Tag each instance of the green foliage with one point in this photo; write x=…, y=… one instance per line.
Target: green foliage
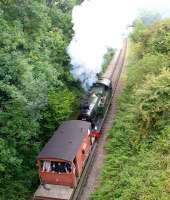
x=154, y=102
x=61, y=102
x=138, y=155
x=147, y=65
x=159, y=37
x=107, y=58
x=37, y=90
x=154, y=39
x=62, y=105
x=139, y=31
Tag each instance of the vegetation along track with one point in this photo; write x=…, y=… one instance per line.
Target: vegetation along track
x=114, y=72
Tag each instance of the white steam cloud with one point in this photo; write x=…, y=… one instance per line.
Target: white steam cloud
x=98, y=25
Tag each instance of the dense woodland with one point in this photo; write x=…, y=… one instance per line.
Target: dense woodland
x=37, y=91
x=137, y=164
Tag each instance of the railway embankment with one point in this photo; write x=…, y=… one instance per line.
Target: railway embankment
x=137, y=160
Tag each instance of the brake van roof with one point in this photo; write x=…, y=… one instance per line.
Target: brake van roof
x=66, y=141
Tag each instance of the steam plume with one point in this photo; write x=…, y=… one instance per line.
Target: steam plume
x=98, y=25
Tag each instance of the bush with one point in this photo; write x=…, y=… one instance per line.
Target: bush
x=154, y=103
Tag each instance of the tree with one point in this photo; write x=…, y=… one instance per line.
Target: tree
x=34, y=79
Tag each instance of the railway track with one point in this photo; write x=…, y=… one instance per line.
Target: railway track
x=113, y=71
x=92, y=165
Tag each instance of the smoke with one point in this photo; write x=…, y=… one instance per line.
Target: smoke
x=99, y=25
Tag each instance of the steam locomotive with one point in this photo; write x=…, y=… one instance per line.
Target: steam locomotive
x=95, y=104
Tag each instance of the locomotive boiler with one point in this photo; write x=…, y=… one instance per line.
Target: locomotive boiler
x=96, y=102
